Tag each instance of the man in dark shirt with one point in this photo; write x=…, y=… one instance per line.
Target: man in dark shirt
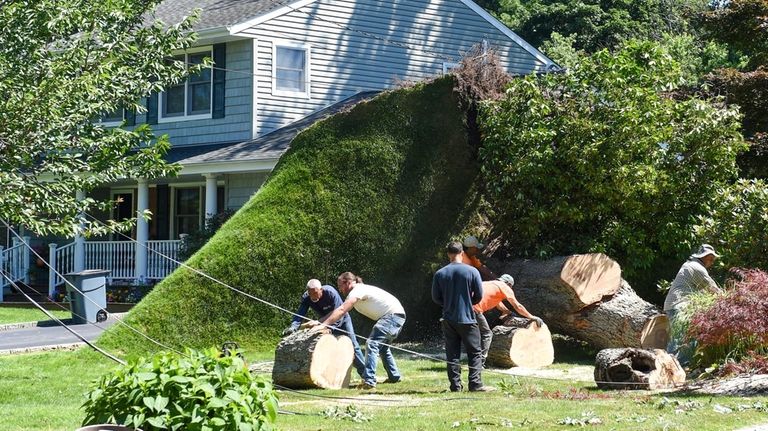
x=323, y=300
x=456, y=287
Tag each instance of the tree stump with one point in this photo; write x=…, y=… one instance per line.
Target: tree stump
x=313, y=359
x=519, y=342
x=584, y=296
x=637, y=369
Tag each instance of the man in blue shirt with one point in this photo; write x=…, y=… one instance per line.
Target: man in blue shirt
x=323, y=300
x=456, y=287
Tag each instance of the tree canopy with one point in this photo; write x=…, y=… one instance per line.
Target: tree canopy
x=64, y=64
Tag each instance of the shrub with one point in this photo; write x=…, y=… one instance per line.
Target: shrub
x=199, y=391
x=737, y=221
x=598, y=159
x=193, y=241
x=736, y=323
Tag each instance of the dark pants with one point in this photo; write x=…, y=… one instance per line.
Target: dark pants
x=467, y=334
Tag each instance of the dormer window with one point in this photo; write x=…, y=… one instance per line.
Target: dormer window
x=190, y=99
x=290, y=69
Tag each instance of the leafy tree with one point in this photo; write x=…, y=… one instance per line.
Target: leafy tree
x=595, y=24
x=743, y=25
x=63, y=65
x=599, y=159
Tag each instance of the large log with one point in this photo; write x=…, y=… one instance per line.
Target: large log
x=637, y=369
x=519, y=342
x=313, y=359
x=584, y=296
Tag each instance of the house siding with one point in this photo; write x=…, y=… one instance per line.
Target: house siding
x=240, y=188
x=411, y=41
x=236, y=124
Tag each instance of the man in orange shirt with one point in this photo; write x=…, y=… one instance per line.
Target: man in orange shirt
x=494, y=294
x=472, y=248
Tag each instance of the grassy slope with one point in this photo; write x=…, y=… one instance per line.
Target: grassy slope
x=23, y=315
x=377, y=191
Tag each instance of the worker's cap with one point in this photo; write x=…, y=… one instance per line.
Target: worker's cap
x=704, y=250
x=472, y=241
x=506, y=278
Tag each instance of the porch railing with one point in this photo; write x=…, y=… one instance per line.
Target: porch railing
x=14, y=263
x=118, y=257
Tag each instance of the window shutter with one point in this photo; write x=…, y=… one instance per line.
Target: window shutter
x=219, y=79
x=130, y=117
x=152, y=109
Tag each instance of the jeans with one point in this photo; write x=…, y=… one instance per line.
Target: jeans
x=683, y=351
x=486, y=335
x=468, y=334
x=386, y=329
x=346, y=325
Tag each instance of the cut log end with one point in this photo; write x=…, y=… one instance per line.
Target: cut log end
x=592, y=276
x=655, y=334
x=637, y=369
x=313, y=359
x=521, y=343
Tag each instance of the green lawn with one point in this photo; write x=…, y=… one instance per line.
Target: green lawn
x=44, y=392
x=19, y=315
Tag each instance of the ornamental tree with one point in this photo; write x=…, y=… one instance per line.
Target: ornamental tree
x=599, y=159
x=63, y=65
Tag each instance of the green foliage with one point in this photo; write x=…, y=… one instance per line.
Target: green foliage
x=561, y=50
x=198, y=391
x=377, y=190
x=595, y=24
x=737, y=221
x=197, y=239
x=599, y=160
x=64, y=64
x=698, y=57
x=742, y=25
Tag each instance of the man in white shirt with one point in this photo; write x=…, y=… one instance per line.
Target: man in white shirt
x=692, y=277
x=383, y=308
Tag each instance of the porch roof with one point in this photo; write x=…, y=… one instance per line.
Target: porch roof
x=268, y=147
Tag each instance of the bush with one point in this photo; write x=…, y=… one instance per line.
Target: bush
x=199, y=391
x=737, y=221
x=598, y=159
x=735, y=324
x=195, y=240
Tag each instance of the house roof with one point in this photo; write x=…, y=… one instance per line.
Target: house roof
x=215, y=13
x=268, y=147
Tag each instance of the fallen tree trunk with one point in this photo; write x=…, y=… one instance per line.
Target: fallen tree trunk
x=519, y=342
x=637, y=369
x=313, y=359
x=587, y=299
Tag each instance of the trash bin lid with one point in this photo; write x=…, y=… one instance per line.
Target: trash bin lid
x=89, y=273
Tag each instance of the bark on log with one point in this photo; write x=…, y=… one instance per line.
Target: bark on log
x=519, y=342
x=637, y=369
x=615, y=317
x=313, y=359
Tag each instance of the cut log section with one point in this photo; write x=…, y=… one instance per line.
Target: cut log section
x=313, y=359
x=637, y=369
x=584, y=296
x=519, y=342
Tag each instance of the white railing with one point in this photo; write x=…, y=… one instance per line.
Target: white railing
x=14, y=263
x=159, y=265
x=117, y=257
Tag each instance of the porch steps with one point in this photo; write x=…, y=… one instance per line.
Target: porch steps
x=39, y=293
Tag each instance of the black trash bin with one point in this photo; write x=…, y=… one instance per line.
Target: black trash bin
x=89, y=301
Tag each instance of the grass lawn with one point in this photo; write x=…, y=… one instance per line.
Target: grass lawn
x=44, y=392
x=20, y=315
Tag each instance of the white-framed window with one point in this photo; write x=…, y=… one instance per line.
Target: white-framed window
x=188, y=207
x=191, y=99
x=291, y=70
x=448, y=66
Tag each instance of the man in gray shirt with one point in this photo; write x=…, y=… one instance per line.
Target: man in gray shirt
x=692, y=277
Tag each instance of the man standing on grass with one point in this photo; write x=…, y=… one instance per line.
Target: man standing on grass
x=456, y=287
x=381, y=307
x=692, y=277
x=494, y=294
x=323, y=300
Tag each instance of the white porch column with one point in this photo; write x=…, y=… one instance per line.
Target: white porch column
x=79, y=258
x=142, y=231
x=210, y=195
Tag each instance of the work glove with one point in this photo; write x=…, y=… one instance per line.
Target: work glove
x=289, y=330
x=538, y=321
